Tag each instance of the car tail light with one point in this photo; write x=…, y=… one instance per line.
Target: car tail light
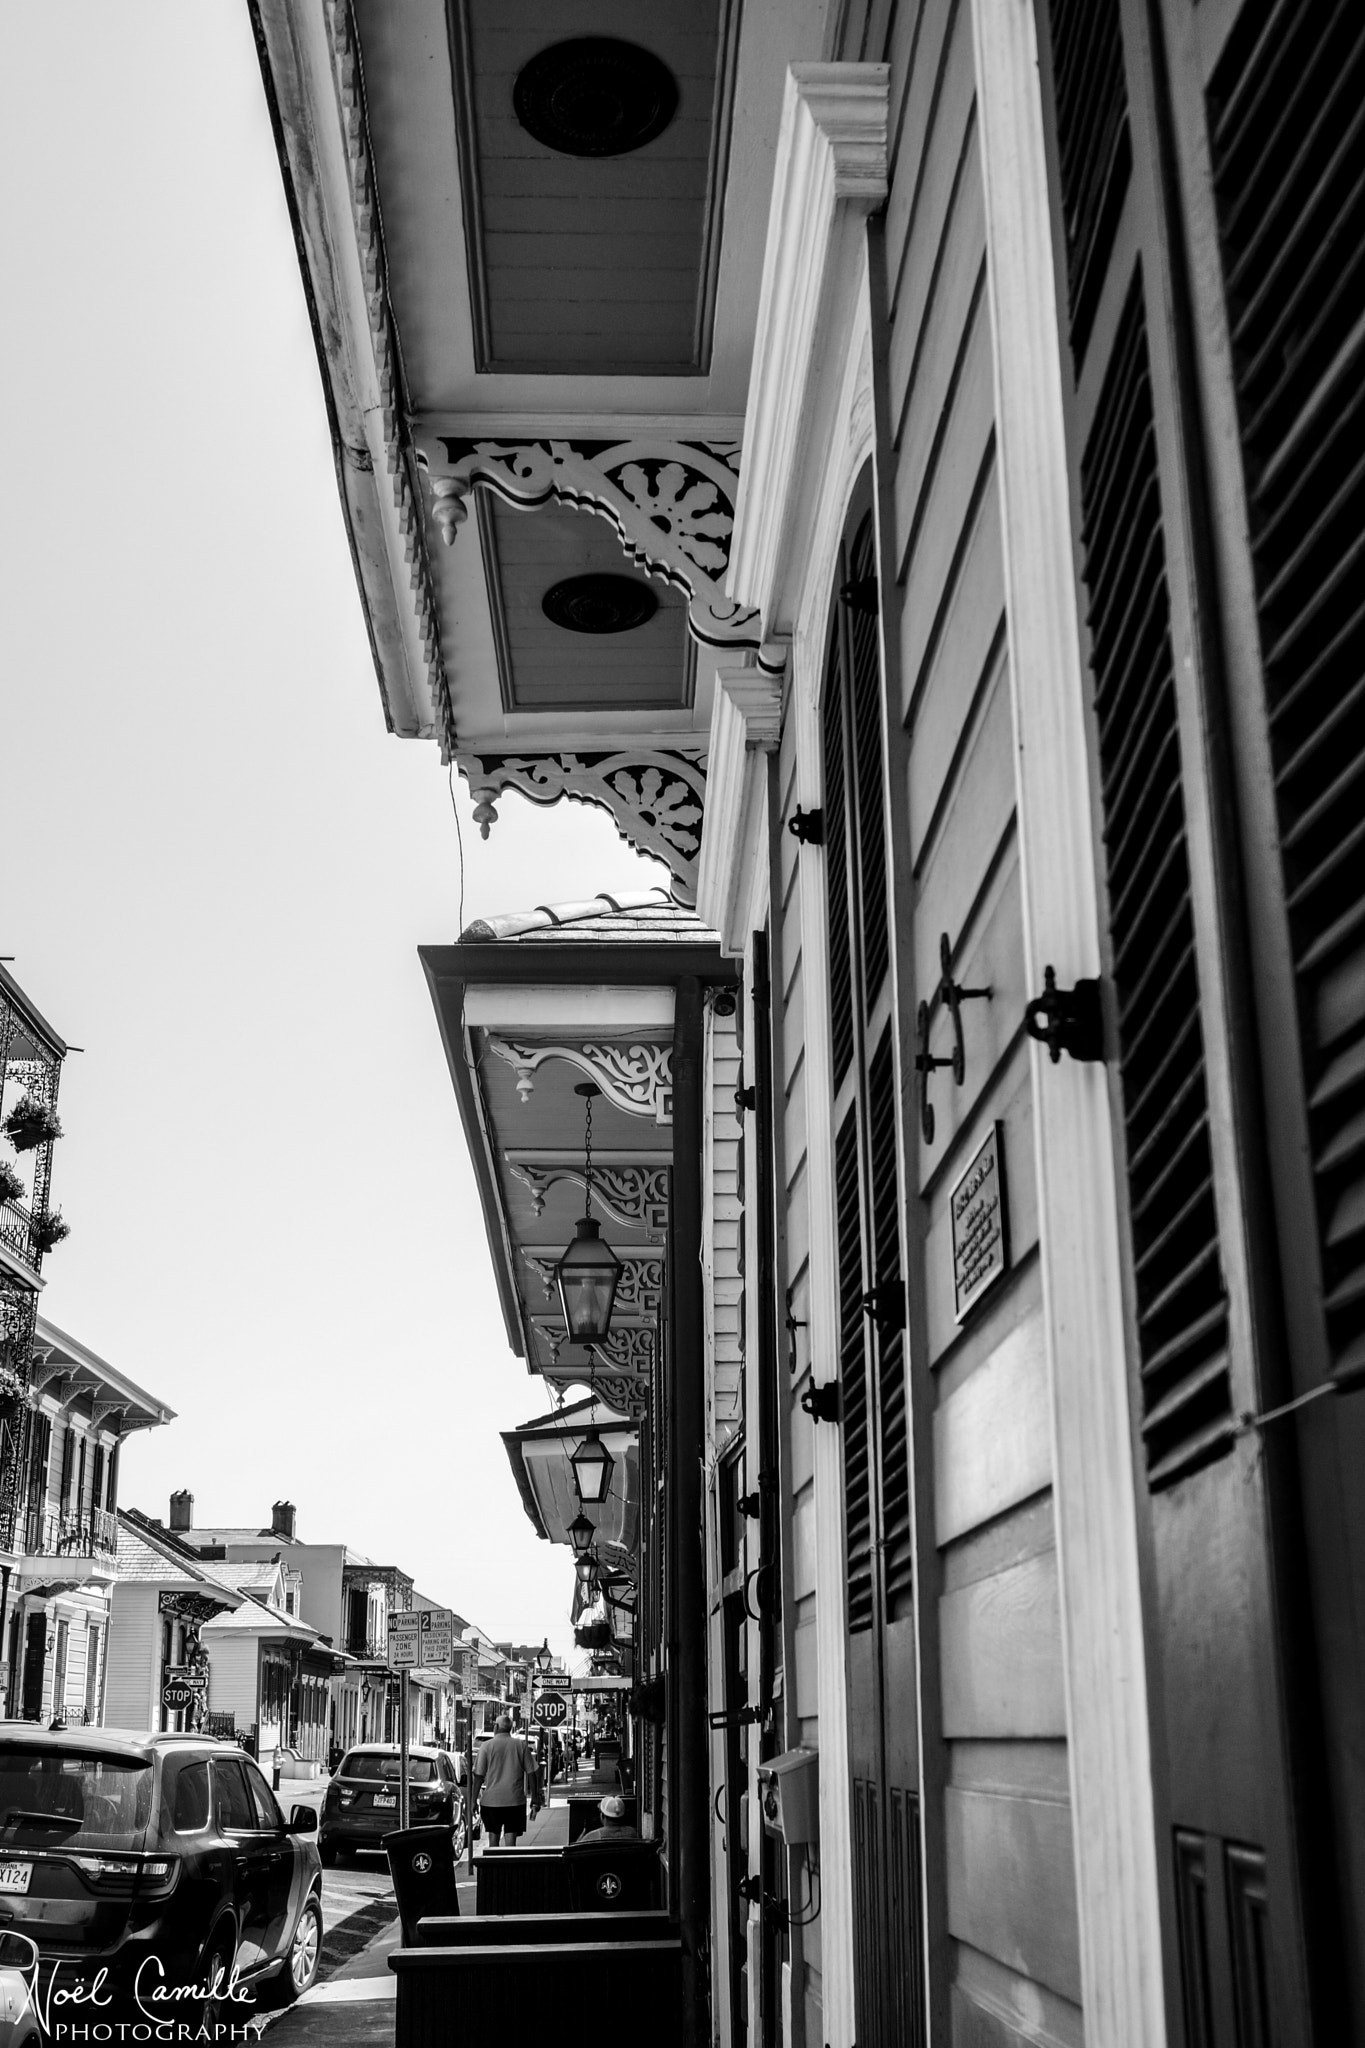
x=152, y=1876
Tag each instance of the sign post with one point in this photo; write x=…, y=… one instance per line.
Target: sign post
x=405, y=1649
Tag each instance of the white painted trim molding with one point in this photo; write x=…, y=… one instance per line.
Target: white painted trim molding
x=831, y=172
x=746, y=725
x=1114, y=1820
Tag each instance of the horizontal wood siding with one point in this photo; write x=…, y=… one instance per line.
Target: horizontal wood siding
x=133, y=1658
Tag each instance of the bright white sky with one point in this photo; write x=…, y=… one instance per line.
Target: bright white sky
x=217, y=865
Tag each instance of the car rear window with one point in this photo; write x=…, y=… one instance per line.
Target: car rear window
x=374, y=1764
x=191, y=1810
x=60, y=1797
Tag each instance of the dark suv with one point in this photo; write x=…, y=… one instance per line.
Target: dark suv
x=163, y=1860
x=361, y=1804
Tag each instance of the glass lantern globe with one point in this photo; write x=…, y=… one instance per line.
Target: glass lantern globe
x=592, y=1465
x=587, y=1274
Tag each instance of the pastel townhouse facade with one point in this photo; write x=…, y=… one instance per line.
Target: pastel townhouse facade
x=904, y=460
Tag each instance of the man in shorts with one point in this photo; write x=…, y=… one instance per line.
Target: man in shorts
x=504, y=1780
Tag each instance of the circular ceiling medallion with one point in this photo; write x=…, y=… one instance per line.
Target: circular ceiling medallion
x=595, y=96
x=599, y=604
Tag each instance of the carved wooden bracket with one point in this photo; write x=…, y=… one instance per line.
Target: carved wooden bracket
x=672, y=504
x=635, y=1078
x=655, y=796
x=625, y=1392
x=636, y=1197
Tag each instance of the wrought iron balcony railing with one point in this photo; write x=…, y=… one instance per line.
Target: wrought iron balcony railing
x=16, y=1232
x=53, y=1533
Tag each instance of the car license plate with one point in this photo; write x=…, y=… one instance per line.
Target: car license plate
x=381, y=1799
x=15, y=1877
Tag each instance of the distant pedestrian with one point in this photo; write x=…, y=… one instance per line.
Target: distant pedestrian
x=505, y=1780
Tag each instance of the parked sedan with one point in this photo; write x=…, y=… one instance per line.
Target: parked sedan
x=163, y=1861
x=361, y=1802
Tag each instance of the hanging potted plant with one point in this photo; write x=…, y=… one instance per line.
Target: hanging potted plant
x=13, y=1386
x=11, y=1186
x=31, y=1123
x=49, y=1230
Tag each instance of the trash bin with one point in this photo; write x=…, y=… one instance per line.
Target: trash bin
x=422, y=1862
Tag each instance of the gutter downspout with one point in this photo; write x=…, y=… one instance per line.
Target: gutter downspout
x=690, y=1823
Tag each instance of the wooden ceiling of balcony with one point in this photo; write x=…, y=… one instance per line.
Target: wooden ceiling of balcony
x=547, y=667
x=602, y=265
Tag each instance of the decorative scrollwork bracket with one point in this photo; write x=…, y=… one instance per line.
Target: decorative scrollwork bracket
x=672, y=504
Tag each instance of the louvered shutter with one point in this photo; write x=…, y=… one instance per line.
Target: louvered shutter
x=836, y=861
x=1181, y=1305
x=853, y=1378
x=893, y=1445
x=1095, y=149
x=1286, y=114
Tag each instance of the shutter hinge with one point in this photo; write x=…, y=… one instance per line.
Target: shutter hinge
x=747, y=1098
x=1067, y=1020
x=860, y=594
x=885, y=1303
x=807, y=826
x=821, y=1401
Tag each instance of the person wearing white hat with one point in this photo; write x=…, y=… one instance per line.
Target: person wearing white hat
x=615, y=1827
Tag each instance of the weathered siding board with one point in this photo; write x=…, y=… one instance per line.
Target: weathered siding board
x=1012, y=1884
x=952, y=166
x=1001, y=1646
x=931, y=50
x=933, y=369
x=961, y=769
x=994, y=2007
x=954, y=550
x=992, y=1440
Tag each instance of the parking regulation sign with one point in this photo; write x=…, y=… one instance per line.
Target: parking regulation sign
x=438, y=1635
x=405, y=1641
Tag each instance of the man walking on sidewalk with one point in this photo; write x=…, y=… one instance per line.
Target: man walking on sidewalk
x=505, y=1780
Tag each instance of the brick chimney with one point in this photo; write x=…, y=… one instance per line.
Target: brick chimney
x=282, y=1520
x=182, y=1510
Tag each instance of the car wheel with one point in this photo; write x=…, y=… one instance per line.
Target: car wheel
x=216, y=1973
x=328, y=1854
x=300, y=1972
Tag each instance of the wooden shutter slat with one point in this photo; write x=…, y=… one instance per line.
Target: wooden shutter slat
x=1181, y=1303
x=1095, y=151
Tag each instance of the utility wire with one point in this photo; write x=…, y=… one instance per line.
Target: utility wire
x=459, y=841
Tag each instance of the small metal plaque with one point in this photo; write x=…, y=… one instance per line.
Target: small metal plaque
x=981, y=1246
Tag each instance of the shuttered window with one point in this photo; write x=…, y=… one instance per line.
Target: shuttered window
x=1181, y=1304
x=853, y=1378
x=867, y=1188
x=1287, y=128
x=1095, y=149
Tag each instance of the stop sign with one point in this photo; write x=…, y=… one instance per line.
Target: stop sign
x=175, y=1694
x=552, y=1708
